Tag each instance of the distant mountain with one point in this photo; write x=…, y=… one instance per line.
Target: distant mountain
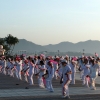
x=28, y=46
x=89, y=46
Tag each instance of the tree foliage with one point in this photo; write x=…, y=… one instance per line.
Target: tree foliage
x=9, y=43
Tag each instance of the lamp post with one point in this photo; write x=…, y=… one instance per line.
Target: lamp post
x=83, y=51
x=58, y=52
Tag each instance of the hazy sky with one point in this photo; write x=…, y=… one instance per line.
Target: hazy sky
x=50, y=21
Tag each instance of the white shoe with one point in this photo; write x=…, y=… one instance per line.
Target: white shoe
x=51, y=91
x=68, y=97
x=93, y=88
x=64, y=96
x=42, y=87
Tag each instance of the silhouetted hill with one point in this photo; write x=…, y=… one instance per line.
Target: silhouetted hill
x=28, y=46
x=89, y=46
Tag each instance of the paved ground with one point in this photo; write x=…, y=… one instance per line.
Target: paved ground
x=10, y=91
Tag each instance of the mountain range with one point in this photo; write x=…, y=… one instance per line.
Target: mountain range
x=89, y=46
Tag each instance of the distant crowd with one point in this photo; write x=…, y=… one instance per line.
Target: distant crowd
x=45, y=68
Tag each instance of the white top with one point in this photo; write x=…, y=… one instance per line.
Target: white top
x=73, y=67
x=86, y=69
x=66, y=69
x=55, y=66
x=42, y=70
x=94, y=71
x=19, y=65
x=50, y=72
x=31, y=68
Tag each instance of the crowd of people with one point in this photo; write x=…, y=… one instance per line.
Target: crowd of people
x=62, y=68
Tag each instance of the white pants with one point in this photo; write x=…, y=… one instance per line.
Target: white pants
x=81, y=74
x=25, y=77
x=40, y=81
x=31, y=78
x=73, y=78
x=4, y=70
x=85, y=81
x=18, y=72
x=93, y=83
x=55, y=75
x=11, y=73
x=49, y=84
x=65, y=90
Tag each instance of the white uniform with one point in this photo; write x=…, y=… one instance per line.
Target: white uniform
x=11, y=69
x=49, y=79
x=86, y=70
x=31, y=72
x=81, y=65
x=93, y=75
x=60, y=70
x=19, y=68
x=66, y=80
x=42, y=72
x=26, y=70
x=73, y=68
x=36, y=69
x=55, y=70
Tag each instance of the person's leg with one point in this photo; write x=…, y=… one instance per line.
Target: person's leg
x=25, y=77
x=47, y=84
x=31, y=79
x=87, y=81
x=19, y=75
x=73, y=78
x=40, y=80
x=83, y=80
x=92, y=84
x=51, y=87
x=16, y=73
x=65, y=89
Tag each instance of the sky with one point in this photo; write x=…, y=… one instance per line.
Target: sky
x=50, y=21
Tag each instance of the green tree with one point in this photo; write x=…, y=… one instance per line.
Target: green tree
x=10, y=42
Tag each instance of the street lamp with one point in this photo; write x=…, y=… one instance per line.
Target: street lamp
x=58, y=52
x=83, y=51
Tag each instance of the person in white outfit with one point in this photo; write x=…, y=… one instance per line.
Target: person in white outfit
x=25, y=70
x=81, y=65
x=8, y=66
x=93, y=73
x=86, y=70
x=41, y=74
x=73, y=68
x=18, y=64
x=55, y=64
x=66, y=79
x=31, y=71
x=50, y=70
x=12, y=67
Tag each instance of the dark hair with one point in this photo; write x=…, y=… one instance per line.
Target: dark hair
x=32, y=61
x=85, y=61
x=41, y=62
x=38, y=57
